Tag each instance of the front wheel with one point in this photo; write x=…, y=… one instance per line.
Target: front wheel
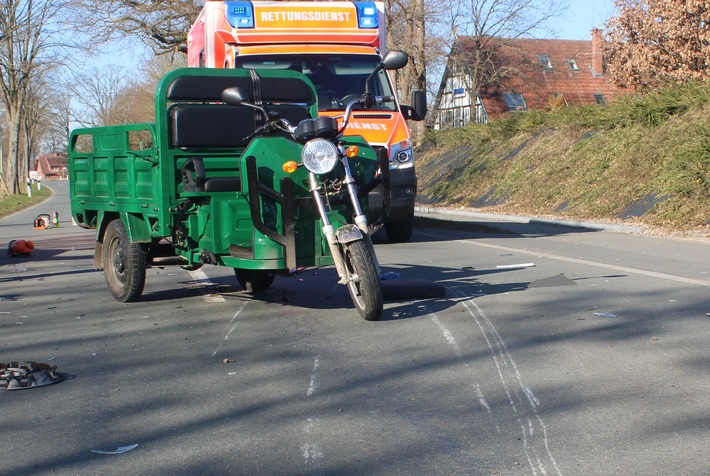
x=124, y=264
x=363, y=282
x=255, y=280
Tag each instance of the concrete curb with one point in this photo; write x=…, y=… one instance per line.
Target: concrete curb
x=531, y=220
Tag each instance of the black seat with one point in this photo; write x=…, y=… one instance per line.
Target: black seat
x=210, y=125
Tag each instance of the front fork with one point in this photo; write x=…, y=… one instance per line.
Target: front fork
x=329, y=231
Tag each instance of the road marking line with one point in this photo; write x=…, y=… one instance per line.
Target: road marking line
x=200, y=276
x=233, y=326
x=541, y=254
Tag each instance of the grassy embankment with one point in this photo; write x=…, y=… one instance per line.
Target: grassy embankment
x=13, y=203
x=643, y=159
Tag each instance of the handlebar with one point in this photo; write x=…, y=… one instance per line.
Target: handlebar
x=271, y=125
x=275, y=123
x=367, y=101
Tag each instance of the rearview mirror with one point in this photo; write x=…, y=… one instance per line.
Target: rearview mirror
x=395, y=60
x=234, y=96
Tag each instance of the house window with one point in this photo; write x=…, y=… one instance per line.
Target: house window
x=515, y=102
x=544, y=61
x=600, y=99
x=572, y=64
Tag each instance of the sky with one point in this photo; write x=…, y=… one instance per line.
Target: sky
x=582, y=16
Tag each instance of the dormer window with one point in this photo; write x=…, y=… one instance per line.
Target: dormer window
x=600, y=99
x=572, y=64
x=515, y=102
x=544, y=61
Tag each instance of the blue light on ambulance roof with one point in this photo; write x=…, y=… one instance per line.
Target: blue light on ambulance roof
x=240, y=14
x=367, y=15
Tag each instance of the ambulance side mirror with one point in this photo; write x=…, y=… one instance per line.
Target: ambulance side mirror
x=395, y=60
x=417, y=111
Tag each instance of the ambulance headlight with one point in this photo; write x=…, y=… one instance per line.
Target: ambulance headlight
x=319, y=156
x=401, y=155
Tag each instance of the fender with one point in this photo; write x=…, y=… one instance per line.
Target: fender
x=136, y=229
x=348, y=234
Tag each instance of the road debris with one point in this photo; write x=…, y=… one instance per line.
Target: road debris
x=20, y=248
x=117, y=451
x=515, y=266
x=22, y=375
x=605, y=314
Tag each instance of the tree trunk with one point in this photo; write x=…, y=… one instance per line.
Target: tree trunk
x=12, y=174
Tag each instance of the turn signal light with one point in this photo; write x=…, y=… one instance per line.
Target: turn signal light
x=352, y=151
x=290, y=167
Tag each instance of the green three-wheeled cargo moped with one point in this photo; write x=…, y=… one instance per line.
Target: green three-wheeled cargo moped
x=237, y=171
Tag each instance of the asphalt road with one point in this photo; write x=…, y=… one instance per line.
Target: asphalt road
x=555, y=350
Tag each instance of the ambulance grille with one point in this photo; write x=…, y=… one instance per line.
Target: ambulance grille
x=372, y=116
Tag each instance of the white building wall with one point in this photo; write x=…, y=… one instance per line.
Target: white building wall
x=455, y=106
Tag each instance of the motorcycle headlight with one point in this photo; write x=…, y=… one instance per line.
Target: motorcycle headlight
x=319, y=156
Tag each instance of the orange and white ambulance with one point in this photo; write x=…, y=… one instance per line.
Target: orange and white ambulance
x=337, y=45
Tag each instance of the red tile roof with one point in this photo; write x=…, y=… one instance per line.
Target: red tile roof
x=538, y=83
x=51, y=165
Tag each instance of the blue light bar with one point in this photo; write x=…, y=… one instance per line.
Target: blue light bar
x=367, y=15
x=240, y=14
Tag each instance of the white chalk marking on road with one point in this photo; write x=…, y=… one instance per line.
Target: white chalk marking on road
x=481, y=399
x=447, y=334
x=314, y=374
x=499, y=351
x=312, y=452
x=233, y=326
x=200, y=276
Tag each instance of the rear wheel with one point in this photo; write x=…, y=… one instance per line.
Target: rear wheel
x=124, y=264
x=400, y=231
x=255, y=280
x=363, y=282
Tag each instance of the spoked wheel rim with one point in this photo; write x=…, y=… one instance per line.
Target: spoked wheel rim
x=363, y=282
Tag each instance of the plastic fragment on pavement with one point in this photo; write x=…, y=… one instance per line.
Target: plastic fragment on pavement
x=515, y=266
x=605, y=314
x=117, y=451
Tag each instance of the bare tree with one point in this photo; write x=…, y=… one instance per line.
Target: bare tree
x=161, y=24
x=26, y=46
x=97, y=92
x=137, y=100
x=32, y=111
x=56, y=122
x=108, y=97
x=480, y=28
x=654, y=41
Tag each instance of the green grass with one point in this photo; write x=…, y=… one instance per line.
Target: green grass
x=584, y=162
x=13, y=203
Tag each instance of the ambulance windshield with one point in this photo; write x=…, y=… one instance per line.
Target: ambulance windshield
x=338, y=79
